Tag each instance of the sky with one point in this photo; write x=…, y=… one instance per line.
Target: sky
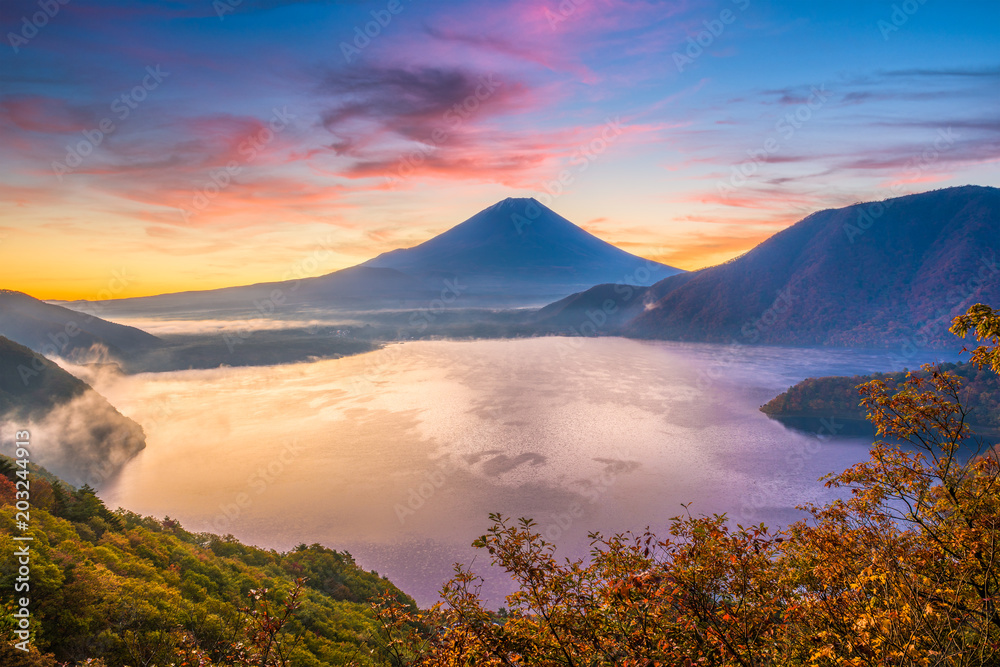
x=152, y=147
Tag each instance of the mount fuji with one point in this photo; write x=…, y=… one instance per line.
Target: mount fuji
x=520, y=246
x=517, y=252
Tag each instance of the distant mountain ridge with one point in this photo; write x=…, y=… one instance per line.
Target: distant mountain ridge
x=522, y=246
x=57, y=331
x=517, y=252
x=354, y=287
x=884, y=274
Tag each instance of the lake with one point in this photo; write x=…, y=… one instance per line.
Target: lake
x=399, y=455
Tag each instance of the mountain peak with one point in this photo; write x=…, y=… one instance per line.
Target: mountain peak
x=515, y=205
x=887, y=273
x=520, y=201
x=520, y=242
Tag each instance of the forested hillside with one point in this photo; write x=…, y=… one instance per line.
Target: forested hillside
x=133, y=590
x=882, y=273
x=814, y=399
x=30, y=384
x=87, y=439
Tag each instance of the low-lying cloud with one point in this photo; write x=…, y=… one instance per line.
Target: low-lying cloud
x=84, y=440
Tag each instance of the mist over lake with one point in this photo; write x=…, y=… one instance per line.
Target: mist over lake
x=399, y=455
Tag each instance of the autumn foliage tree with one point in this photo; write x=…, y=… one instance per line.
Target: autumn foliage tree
x=903, y=569
x=258, y=639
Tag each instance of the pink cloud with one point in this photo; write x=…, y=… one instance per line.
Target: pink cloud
x=518, y=159
x=39, y=113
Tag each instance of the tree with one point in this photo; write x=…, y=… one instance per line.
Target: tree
x=984, y=323
x=902, y=570
x=258, y=634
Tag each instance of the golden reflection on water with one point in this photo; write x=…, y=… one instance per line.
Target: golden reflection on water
x=399, y=455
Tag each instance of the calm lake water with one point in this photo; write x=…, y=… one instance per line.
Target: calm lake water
x=399, y=455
